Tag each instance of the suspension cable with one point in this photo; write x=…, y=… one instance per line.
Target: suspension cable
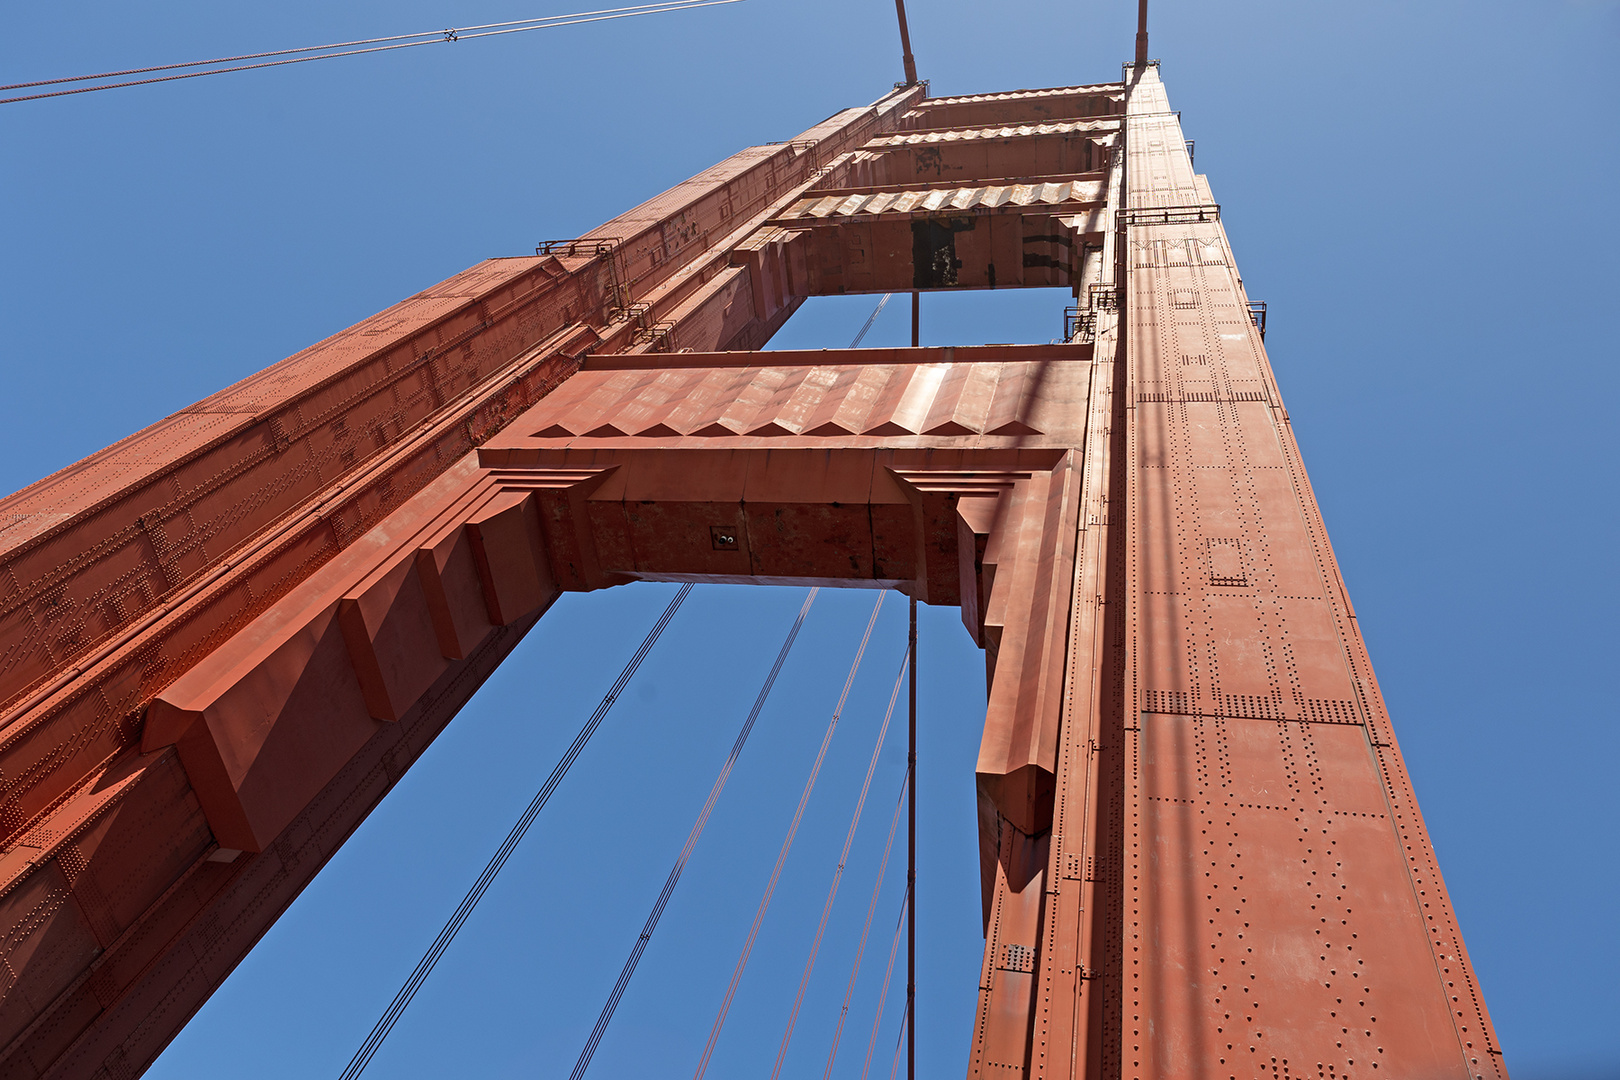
x=385, y=1023
x=899, y=1042
x=866, y=928
x=640, y=947
x=787, y=845
x=838, y=874
x=434, y=34
x=870, y=319
x=346, y=48
x=911, y=856
x=888, y=973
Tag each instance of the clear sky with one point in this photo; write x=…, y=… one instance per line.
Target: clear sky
x=1425, y=195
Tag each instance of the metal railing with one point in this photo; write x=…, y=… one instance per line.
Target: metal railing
x=1079, y=325
x=1172, y=215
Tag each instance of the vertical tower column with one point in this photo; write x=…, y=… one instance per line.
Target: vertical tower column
x=1283, y=911
x=1049, y=902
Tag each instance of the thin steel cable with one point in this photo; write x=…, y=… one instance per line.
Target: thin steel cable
x=866, y=928
x=385, y=1023
x=905, y=1023
x=870, y=319
x=888, y=973
x=838, y=874
x=444, y=37
x=640, y=947
x=787, y=845
x=436, y=34
x=911, y=852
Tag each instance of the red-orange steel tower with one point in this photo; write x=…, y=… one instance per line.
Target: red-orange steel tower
x=224, y=638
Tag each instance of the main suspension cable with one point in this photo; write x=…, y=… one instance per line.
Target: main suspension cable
x=345, y=48
x=870, y=319
x=435, y=35
x=640, y=947
x=424, y=967
x=787, y=845
x=838, y=874
x=866, y=928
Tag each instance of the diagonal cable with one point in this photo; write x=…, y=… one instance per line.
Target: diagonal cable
x=640, y=947
x=870, y=319
x=787, y=845
x=385, y=1023
x=888, y=972
x=293, y=56
x=866, y=928
x=435, y=35
x=838, y=874
x=899, y=1041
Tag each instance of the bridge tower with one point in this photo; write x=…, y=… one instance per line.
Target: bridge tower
x=225, y=637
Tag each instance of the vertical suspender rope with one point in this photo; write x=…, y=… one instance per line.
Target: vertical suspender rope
x=866, y=928
x=619, y=987
x=838, y=875
x=787, y=845
x=911, y=825
x=911, y=870
x=385, y=1024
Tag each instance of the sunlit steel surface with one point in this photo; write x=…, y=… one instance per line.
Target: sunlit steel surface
x=223, y=639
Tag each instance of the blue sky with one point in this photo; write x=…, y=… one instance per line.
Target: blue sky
x=1424, y=194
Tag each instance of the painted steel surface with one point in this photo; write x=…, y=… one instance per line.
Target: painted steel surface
x=223, y=639
x=1282, y=910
